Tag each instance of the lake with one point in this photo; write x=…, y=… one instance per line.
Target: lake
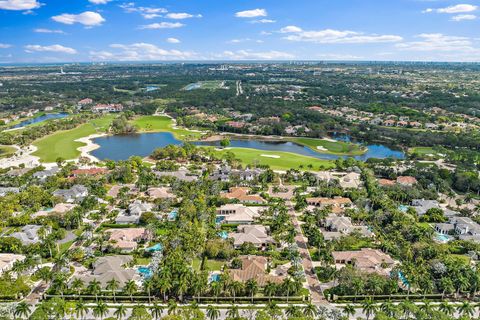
x=47, y=116
x=121, y=147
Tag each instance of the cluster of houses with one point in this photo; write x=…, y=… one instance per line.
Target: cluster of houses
x=99, y=107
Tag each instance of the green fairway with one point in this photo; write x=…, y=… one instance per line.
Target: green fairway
x=62, y=144
x=208, y=85
x=163, y=124
x=332, y=147
x=277, y=160
x=423, y=150
x=6, y=151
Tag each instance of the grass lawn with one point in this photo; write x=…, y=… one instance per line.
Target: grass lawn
x=422, y=150
x=208, y=85
x=143, y=261
x=210, y=265
x=62, y=143
x=163, y=124
x=6, y=151
x=286, y=160
x=334, y=147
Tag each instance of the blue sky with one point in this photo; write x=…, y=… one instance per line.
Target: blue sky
x=156, y=30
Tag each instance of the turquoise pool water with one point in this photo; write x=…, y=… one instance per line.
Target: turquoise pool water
x=215, y=277
x=223, y=235
x=219, y=219
x=441, y=237
x=172, y=215
x=403, y=208
x=146, y=272
x=157, y=247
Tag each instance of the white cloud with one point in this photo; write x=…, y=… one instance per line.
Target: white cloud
x=162, y=25
x=43, y=30
x=251, y=13
x=53, y=48
x=99, y=1
x=146, y=12
x=19, y=4
x=290, y=29
x=459, y=8
x=251, y=55
x=437, y=42
x=181, y=15
x=87, y=18
x=263, y=21
x=234, y=41
x=173, y=40
x=140, y=52
x=335, y=36
x=5, y=45
x=463, y=17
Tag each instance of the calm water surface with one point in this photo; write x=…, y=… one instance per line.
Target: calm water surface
x=44, y=117
x=121, y=147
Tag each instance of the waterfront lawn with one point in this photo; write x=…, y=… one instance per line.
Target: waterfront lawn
x=62, y=144
x=6, y=151
x=423, y=150
x=163, y=124
x=286, y=160
x=333, y=147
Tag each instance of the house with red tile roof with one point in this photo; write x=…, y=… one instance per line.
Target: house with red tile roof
x=242, y=194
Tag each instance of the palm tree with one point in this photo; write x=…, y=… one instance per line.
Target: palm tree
x=157, y=311
x=130, y=288
x=273, y=310
x=349, y=310
x=213, y=313
x=120, y=312
x=147, y=286
x=100, y=309
x=289, y=286
x=235, y=287
x=112, y=286
x=216, y=288
x=369, y=307
x=172, y=307
x=164, y=284
x=94, y=288
x=22, y=310
x=446, y=308
x=252, y=287
x=77, y=286
x=233, y=312
x=466, y=309
x=389, y=309
x=80, y=309
x=293, y=311
x=270, y=289
x=310, y=310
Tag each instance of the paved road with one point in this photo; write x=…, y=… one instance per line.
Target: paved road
x=312, y=280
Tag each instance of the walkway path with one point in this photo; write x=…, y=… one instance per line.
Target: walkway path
x=312, y=280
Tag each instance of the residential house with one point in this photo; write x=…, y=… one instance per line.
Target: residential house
x=351, y=180
x=254, y=234
x=421, y=206
x=389, y=123
x=109, y=268
x=135, y=210
x=406, y=181
x=5, y=190
x=75, y=193
x=254, y=267
x=44, y=174
x=28, y=234
x=366, y=260
x=7, y=260
x=127, y=239
x=181, y=174
x=238, y=213
x=386, y=182
x=338, y=204
x=104, y=108
x=160, y=193
x=340, y=225
x=464, y=227
x=242, y=194
x=59, y=208
x=90, y=172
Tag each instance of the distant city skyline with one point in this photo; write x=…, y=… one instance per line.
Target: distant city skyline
x=53, y=31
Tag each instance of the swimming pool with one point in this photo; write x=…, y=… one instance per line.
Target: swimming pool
x=215, y=277
x=219, y=219
x=403, y=208
x=441, y=237
x=156, y=247
x=172, y=215
x=145, y=272
x=223, y=235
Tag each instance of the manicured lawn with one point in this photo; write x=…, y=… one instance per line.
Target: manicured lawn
x=210, y=265
x=335, y=147
x=285, y=161
x=6, y=151
x=422, y=150
x=143, y=261
x=62, y=143
x=209, y=85
x=163, y=124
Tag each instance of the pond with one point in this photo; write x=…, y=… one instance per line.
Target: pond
x=121, y=147
x=47, y=116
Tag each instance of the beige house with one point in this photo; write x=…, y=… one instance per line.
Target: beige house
x=7, y=260
x=254, y=234
x=366, y=259
x=254, y=267
x=242, y=194
x=126, y=239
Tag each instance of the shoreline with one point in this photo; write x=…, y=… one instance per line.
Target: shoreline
x=89, y=146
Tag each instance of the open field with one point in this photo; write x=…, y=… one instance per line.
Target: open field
x=333, y=147
x=208, y=85
x=62, y=143
x=276, y=160
x=422, y=150
x=163, y=124
x=6, y=151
